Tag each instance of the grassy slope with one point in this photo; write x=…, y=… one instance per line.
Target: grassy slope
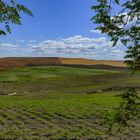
x=44, y=72
x=56, y=79
x=42, y=109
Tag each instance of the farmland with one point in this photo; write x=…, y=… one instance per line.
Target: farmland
x=12, y=62
x=61, y=102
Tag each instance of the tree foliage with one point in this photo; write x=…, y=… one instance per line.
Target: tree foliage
x=121, y=25
x=127, y=113
x=10, y=14
x=129, y=108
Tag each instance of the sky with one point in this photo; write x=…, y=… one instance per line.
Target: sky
x=59, y=28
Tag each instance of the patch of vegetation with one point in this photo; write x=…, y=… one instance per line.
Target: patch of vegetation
x=46, y=72
x=53, y=102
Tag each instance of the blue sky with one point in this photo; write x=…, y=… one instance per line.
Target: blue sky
x=59, y=28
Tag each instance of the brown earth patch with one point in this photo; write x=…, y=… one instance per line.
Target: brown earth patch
x=12, y=62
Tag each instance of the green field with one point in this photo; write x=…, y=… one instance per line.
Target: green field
x=57, y=102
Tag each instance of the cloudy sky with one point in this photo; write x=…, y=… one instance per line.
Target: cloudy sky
x=59, y=28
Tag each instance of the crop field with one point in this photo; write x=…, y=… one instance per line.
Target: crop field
x=12, y=62
x=60, y=102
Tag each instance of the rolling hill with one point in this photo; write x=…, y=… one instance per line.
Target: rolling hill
x=11, y=62
x=62, y=98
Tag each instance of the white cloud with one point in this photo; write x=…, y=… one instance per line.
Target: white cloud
x=8, y=45
x=75, y=46
x=21, y=41
x=117, y=51
x=11, y=50
x=78, y=46
x=95, y=31
x=32, y=41
x=128, y=21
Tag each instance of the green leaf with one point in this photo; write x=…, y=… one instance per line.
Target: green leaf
x=2, y=32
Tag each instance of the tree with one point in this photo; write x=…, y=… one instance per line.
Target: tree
x=122, y=27
x=10, y=14
x=129, y=108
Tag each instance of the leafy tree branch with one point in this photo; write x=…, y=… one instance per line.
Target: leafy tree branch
x=10, y=14
x=123, y=26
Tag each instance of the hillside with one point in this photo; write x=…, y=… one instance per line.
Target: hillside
x=60, y=102
x=10, y=62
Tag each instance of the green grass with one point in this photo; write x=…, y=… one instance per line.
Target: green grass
x=58, y=116
x=51, y=102
x=46, y=72
x=56, y=79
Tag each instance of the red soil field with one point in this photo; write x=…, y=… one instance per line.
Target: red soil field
x=12, y=62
